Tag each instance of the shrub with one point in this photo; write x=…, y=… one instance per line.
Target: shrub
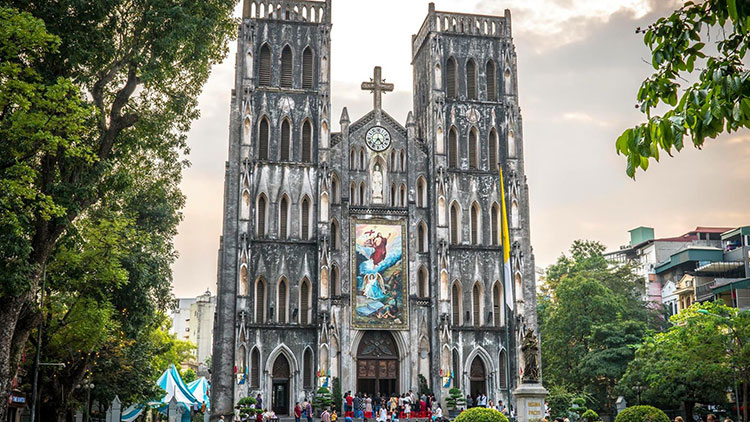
x=247, y=401
x=322, y=399
x=641, y=414
x=455, y=398
x=589, y=416
x=481, y=414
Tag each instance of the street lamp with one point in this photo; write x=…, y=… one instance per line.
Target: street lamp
x=88, y=386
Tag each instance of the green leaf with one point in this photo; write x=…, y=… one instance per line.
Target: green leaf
x=732, y=6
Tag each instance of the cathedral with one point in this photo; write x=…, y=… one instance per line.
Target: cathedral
x=372, y=257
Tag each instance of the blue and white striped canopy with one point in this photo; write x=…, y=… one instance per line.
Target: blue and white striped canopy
x=199, y=388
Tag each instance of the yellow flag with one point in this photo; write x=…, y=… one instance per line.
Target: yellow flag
x=508, y=279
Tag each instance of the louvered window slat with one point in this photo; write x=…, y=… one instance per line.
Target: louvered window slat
x=260, y=301
x=491, y=88
x=305, y=218
x=493, y=151
x=304, y=303
x=263, y=141
x=476, y=304
x=286, y=67
x=450, y=82
x=456, y=309
x=285, y=135
x=307, y=69
x=307, y=142
x=264, y=67
x=473, y=162
x=282, y=302
x=262, y=216
x=454, y=225
x=474, y=224
x=283, y=213
x=471, y=80
x=255, y=369
x=452, y=149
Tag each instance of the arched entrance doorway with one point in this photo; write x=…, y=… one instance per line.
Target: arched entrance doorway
x=280, y=389
x=477, y=377
x=377, y=364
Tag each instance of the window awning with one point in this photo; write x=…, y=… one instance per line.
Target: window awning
x=741, y=283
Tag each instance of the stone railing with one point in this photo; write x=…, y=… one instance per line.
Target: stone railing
x=288, y=10
x=460, y=23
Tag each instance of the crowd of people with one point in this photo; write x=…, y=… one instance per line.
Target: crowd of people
x=383, y=408
x=481, y=400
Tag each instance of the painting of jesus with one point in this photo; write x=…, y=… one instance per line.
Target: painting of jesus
x=379, y=271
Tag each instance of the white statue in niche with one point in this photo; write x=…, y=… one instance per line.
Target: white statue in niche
x=376, y=182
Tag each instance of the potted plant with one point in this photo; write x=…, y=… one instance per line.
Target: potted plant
x=454, y=400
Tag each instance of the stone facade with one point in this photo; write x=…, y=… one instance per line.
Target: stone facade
x=294, y=191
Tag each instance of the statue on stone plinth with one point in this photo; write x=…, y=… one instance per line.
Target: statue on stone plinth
x=530, y=349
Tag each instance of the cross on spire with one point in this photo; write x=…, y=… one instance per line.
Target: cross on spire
x=377, y=86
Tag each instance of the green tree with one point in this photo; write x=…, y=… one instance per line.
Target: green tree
x=720, y=98
x=593, y=317
x=683, y=365
x=481, y=414
x=110, y=93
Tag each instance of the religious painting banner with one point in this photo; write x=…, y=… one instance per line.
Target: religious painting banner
x=379, y=274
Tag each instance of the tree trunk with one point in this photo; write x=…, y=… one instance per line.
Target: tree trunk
x=9, y=314
x=689, y=405
x=744, y=401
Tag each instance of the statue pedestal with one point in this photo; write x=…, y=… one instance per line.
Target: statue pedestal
x=530, y=402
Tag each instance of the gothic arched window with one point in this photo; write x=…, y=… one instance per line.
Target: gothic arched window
x=352, y=160
x=335, y=282
x=305, y=219
x=307, y=68
x=450, y=78
x=283, y=301
x=422, y=237
x=502, y=372
x=471, y=79
x=307, y=142
x=362, y=195
x=452, y=148
x=497, y=303
x=473, y=156
x=286, y=135
x=476, y=298
x=286, y=67
x=262, y=207
x=422, y=290
x=495, y=226
x=456, y=372
x=456, y=303
x=475, y=216
x=334, y=234
x=260, y=300
x=335, y=189
x=304, y=302
x=492, y=157
x=455, y=224
x=264, y=66
x=283, y=217
x=403, y=195
x=263, y=135
x=255, y=368
x=421, y=192
x=307, y=379
x=491, y=89
x=353, y=194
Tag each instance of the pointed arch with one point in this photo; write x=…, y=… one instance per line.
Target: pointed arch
x=456, y=369
x=455, y=223
x=518, y=281
x=498, y=304
x=324, y=282
x=305, y=215
x=287, y=63
x=245, y=206
x=511, y=144
x=421, y=192
x=478, y=375
x=491, y=78
x=508, y=82
x=247, y=131
x=352, y=159
x=307, y=367
x=362, y=161
x=335, y=189
x=476, y=223
x=244, y=286
x=394, y=197
x=284, y=217
x=422, y=282
x=305, y=299
x=393, y=165
x=422, y=237
x=282, y=301
x=514, y=216
x=402, y=195
x=441, y=211
x=477, y=303
x=285, y=142
x=453, y=148
x=255, y=368
x=264, y=133
x=362, y=194
x=456, y=305
x=471, y=79
x=242, y=360
x=353, y=194
x=307, y=141
x=493, y=162
x=335, y=281
x=261, y=215
x=450, y=78
x=502, y=371
x=261, y=296
x=264, y=66
x=439, y=141
x=495, y=225
x=335, y=233
x=307, y=68
x=403, y=160
x=323, y=207
x=444, y=285
x=473, y=149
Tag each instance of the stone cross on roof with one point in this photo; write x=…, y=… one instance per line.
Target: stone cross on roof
x=377, y=86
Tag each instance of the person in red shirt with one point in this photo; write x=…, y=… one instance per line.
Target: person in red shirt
x=349, y=403
x=297, y=412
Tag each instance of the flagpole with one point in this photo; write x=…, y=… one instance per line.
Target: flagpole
x=508, y=321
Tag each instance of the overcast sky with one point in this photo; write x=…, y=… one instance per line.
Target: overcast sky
x=580, y=64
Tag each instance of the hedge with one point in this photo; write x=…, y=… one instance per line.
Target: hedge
x=642, y=414
x=481, y=414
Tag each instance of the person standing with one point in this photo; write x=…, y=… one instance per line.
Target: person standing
x=469, y=401
x=297, y=412
x=438, y=413
x=349, y=402
x=325, y=416
x=309, y=411
x=383, y=415
x=259, y=400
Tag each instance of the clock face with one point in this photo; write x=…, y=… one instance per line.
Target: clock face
x=378, y=138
